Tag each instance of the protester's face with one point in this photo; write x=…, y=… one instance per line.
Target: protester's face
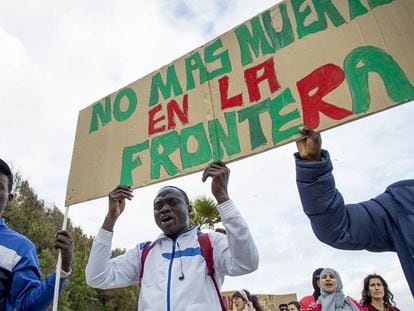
x=329, y=282
x=5, y=195
x=376, y=288
x=283, y=308
x=292, y=307
x=171, y=211
x=239, y=303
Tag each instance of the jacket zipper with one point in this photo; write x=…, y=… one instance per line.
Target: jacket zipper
x=169, y=277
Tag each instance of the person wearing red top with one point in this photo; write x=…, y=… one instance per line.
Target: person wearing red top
x=308, y=302
x=332, y=297
x=376, y=295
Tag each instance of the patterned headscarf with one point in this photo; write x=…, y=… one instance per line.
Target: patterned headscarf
x=248, y=305
x=336, y=300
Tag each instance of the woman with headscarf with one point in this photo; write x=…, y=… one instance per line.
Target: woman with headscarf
x=376, y=296
x=308, y=302
x=244, y=301
x=332, y=298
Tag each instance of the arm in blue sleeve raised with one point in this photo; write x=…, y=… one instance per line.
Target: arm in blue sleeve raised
x=345, y=226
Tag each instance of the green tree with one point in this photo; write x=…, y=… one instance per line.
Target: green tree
x=204, y=213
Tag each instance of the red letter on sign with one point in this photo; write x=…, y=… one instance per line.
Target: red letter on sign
x=324, y=79
x=227, y=102
x=151, y=122
x=252, y=79
x=173, y=108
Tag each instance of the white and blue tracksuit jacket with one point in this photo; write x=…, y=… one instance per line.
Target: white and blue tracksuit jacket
x=162, y=289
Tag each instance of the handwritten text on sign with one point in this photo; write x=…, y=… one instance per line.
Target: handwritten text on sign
x=317, y=63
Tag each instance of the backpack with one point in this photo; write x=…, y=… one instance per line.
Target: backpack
x=206, y=251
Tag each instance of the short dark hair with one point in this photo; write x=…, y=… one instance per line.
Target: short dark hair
x=187, y=201
x=5, y=169
x=295, y=303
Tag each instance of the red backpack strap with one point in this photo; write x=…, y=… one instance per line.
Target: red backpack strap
x=207, y=252
x=144, y=252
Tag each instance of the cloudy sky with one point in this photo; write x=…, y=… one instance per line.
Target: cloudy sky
x=58, y=57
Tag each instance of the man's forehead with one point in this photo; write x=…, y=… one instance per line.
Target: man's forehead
x=169, y=192
x=4, y=179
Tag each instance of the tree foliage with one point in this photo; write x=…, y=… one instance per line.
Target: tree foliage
x=28, y=215
x=204, y=213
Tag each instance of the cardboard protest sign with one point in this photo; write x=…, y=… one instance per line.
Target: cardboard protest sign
x=318, y=63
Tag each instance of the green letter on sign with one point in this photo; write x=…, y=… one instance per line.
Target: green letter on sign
x=256, y=41
x=223, y=57
x=103, y=114
x=374, y=3
x=129, y=164
x=356, y=8
x=203, y=152
x=285, y=36
x=192, y=63
x=278, y=121
x=168, y=143
x=364, y=60
x=120, y=115
x=252, y=114
x=323, y=9
x=157, y=84
x=218, y=137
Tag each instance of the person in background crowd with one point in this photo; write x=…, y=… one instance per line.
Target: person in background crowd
x=376, y=296
x=308, y=302
x=383, y=224
x=244, y=301
x=283, y=307
x=228, y=303
x=21, y=287
x=293, y=306
x=332, y=298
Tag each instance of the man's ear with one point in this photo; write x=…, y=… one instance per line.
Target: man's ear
x=11, y=197
x=190, y=209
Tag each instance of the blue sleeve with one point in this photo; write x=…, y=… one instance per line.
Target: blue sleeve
x=4, y=285
x=27, y=292
x=365, y=225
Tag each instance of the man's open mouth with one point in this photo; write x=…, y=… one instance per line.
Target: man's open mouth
x=165, y=219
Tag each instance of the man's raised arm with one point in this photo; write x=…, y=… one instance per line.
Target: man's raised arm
x=352, y=226
x=101, y=269
x=236, y=253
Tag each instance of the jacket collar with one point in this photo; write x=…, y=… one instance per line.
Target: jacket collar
x=185, y=233
x=2, y=223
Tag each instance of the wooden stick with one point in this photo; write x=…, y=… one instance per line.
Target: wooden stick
x=59, y=265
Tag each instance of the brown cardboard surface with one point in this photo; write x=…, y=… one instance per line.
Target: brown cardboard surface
x=239, y=108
